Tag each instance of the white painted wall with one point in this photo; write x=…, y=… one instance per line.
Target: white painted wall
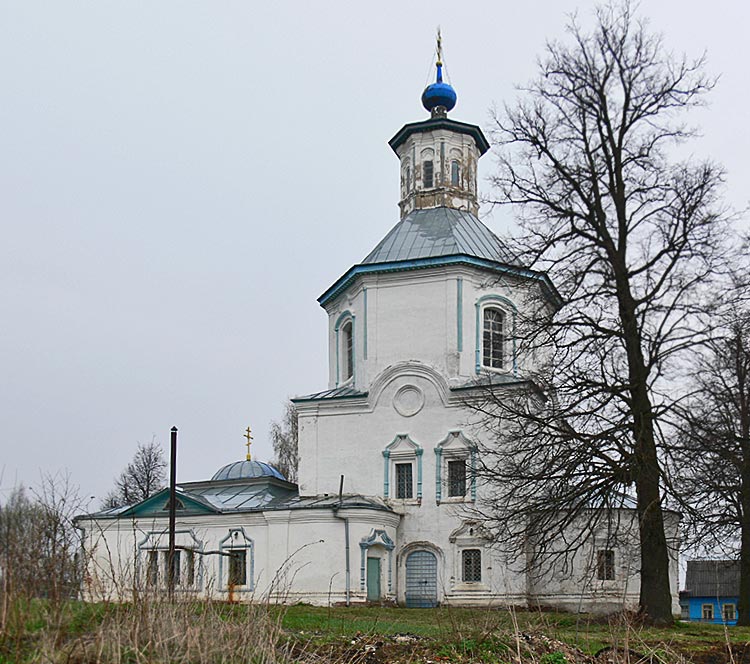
x=297, y=554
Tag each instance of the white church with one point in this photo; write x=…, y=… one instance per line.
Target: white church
x=414, y=330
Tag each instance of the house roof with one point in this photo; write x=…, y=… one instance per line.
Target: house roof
x=238, y=496
x=712, y=578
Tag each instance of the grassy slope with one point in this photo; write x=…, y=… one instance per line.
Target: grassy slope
x=455, y=625
x=452, y=634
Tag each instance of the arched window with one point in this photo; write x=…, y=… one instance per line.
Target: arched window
x=455, y=172
x=347, y=347
x=493, y=338
x=428, y=175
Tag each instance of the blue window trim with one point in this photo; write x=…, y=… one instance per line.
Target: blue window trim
x=505, y=304
x=343, y=318
x=418, y=451
x=246, y=544
x=460, y=314
x=364, y=326
x=364, y=545
x=472, y=448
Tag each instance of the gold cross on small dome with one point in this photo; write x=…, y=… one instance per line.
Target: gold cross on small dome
x=249, y=437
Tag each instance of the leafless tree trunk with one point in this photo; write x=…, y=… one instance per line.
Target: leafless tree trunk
x=38, y=549
x=632, y=241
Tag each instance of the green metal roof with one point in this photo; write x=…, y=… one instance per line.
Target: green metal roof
x=438, y=237
x=440, y=123
x=440, y=231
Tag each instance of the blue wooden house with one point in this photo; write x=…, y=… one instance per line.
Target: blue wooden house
x=711, y=591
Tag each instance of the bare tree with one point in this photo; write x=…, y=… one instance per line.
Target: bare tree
x=715, y=480
x=632, y=241
x=284, y=438
x=144, y=476
x=38, y=548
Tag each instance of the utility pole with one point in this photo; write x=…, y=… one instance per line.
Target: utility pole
x=172, y=514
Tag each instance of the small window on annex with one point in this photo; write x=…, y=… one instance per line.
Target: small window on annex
x=708, y=612
x=404, y=483
x=152, y=571
x=493, y=338
x=347, y=351
x=237, y=568
x=189, y=567
x=456, y=478
x=455, y=172
x=471, y=565
x=729, y=612
x=605, y=565
x=428, y=175
x=175, y=566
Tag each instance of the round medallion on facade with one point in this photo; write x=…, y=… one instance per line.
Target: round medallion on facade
x=408, y=400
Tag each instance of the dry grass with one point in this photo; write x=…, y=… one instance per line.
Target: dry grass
x=156, y=632
x=149, y=632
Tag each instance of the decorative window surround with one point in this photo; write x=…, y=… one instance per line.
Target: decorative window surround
x=455, y=446
x=376, y=537
x=237, y=540
x=470, y=536
x=505, y=305
x=345, y=317
x=402, y=450
x=154, y=546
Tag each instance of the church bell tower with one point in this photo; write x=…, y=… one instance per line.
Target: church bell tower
x=439, y=155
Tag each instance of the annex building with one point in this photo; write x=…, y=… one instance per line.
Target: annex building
x=414, y=329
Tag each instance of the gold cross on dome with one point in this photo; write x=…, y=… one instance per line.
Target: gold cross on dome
x=249, y=437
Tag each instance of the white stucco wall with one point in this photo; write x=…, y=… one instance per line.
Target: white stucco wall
x=428, y=316
x=296, y=554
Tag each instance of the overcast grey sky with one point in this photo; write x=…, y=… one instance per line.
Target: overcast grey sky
x=180, y=180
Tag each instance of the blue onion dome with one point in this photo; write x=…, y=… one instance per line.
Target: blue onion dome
x=242, y=470
x=439, y=94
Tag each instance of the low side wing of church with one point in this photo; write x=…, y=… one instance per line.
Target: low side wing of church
x=386, y=507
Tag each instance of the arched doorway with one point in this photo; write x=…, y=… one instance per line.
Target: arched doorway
x=421, y=579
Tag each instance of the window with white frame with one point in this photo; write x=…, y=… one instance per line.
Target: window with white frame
x=344, y=340
x=708, y=612
x=236, y=561
x=493, y=338
x=471, y=565
x=347, y=347
x=157, y=567
x=605, y=565
x=152, y=568
x=729, y=612
x=237, y=568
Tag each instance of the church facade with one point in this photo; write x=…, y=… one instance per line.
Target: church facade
x=383, y=510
